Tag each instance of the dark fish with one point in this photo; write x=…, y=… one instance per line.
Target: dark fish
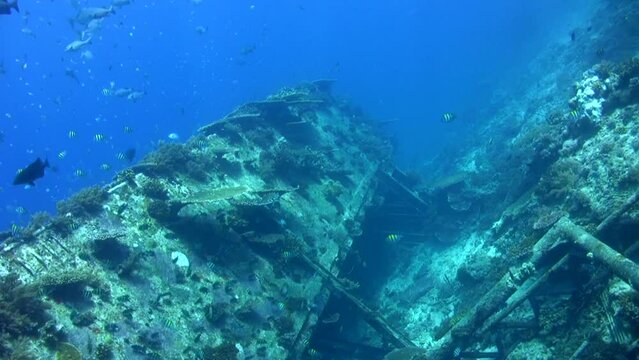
x=120, y=3
x=6, y=6
x=31, y=173
x=71, y=74
x=573, y=35
x=129, y=154
x=249, y=50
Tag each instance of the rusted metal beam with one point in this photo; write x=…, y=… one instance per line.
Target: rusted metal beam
x=370, y=316
x=612, y=218
x=621, y=266
x=512, y=289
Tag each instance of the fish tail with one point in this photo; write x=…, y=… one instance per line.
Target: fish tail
x=15, y=5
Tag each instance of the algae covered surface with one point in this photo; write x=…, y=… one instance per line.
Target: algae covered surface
x=295, y=228
x=195, y=252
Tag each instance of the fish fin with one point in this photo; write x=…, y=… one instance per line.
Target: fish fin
x=46, y=163
x=31, y=183
x=15, y=6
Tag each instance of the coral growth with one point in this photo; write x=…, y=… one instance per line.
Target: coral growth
x=104, y=351
x=70, y=286
x=169, y=158
x=86, y=202
x=154, y=189
x=226, y=351
x=22, y=312
x=108, y=249
x=164, y=211
x=559, y=180
x=67, y=351
x=172, y=158
x=626, y=89
x=288, y=161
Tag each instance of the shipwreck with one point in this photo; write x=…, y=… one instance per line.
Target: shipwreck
x=285, y=231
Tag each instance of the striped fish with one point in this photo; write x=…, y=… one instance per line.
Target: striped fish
x=448, y=117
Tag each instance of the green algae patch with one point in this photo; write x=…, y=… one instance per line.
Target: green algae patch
x=67, y=351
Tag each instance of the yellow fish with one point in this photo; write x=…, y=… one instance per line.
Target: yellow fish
x=393, y=238
x=574, y=114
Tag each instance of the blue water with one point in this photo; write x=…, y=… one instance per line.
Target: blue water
x=410, y=61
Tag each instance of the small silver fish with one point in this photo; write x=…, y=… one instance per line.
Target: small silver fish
x=77, y=45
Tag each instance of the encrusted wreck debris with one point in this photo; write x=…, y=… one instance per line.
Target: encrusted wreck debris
x=216, y=248
x=284, y=231
x=543, y=264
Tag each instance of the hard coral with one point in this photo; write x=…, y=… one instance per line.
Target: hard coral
x=155, y=190
x=289, y=161
x=67, y=351
x=70, y=285
x=169, y=158
x=22, y=312
x=627, y=70
x=172, y=158
x=86, y=202
x=23, y=351
x=226, y=351
x=558, y=181
x=164, y=211
x=626, y=86
x=104, y=351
